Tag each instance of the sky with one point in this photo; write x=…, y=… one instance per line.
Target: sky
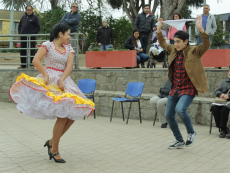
x=215, y=8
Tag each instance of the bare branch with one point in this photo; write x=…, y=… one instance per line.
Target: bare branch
x=132, y=6
x=154, y=6
x=127, y=11
x=180, y=5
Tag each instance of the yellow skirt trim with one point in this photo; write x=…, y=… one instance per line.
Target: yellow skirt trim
x=40, y=81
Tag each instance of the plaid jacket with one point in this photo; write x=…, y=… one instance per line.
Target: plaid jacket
x=181, y=81
x=192, y=61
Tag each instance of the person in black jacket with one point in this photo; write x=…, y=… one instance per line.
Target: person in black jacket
x=105, y=37
x=135, y=43
x=29, y=24
x=159, y=102
x=145, y=23
x=221, y=112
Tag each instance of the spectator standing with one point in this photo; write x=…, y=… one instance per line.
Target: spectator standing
x=105, y=37
x=159, y=102
x=145, y=23
x=29, y=24
x=173, y=30
x=72, y=18
x=208, y=23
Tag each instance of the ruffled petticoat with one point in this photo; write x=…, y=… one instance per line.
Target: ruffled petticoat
x=37, y=100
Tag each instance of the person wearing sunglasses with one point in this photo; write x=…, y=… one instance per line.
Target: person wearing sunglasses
x=72, y=18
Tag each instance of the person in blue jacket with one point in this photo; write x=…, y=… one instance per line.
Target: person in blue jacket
x=135, y=43
x=72, y=18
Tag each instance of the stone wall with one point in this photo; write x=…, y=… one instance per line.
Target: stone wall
x=198, y=110
x=114, y=80
x=112, y=83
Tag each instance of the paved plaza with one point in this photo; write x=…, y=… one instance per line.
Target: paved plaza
x=100, y=146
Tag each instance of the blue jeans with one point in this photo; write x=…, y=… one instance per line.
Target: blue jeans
x=104, y=47
x=141, y=58
x=199, y=41
x=178, y=105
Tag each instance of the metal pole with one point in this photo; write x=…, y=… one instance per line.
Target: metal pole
x=28, y=51
x=11, y=23
x=77, y=52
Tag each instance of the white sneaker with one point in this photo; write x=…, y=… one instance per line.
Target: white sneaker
x=177, y=144
x=190, y=139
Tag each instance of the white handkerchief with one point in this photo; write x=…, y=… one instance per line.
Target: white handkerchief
x=178, y=24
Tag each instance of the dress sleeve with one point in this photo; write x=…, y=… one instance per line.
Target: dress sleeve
x=71, y=49
x=46, y=45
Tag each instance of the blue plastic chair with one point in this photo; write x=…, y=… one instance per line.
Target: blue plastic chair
x=134, y=89
x=87, y=86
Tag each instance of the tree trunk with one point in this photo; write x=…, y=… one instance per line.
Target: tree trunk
x=169, y=7
x=54, y=4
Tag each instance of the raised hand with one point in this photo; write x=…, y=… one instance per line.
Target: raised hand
x=199, y=23
x=160, y=26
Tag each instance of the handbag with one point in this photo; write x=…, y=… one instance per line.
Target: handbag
x=220, y=100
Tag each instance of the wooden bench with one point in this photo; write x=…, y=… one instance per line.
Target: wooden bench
x=98, y=59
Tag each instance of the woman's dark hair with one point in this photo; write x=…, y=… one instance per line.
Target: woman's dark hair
x=178, y=14
x=59, y=27
x=134, y=41
x=146, y=5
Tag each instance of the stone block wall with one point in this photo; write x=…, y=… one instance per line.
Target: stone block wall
x=112, y=83
x=198, y=110
x=114, y=80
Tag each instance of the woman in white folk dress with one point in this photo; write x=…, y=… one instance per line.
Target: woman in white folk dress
x=53, y=94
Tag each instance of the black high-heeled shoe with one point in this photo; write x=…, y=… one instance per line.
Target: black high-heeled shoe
x=56, y=160
x=47, y=144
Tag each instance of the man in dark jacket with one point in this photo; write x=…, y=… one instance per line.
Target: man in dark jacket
x=145, y=23
x=159, y=102
x=29, y=24
x=72, y=18
x=105, y=37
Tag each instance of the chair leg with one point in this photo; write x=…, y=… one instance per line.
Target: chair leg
x=94, y=110
x=129, y=112
x=155, y=119
x=139, y=110
x=122, y=111
x=112, y=112
x=211, y=124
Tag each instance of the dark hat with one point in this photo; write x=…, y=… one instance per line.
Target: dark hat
x=183, y=35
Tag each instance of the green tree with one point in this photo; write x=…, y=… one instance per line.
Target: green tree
x=217, y=38
x=49, y=18
x=18, y=4
x=90, y=24
x=122, y=29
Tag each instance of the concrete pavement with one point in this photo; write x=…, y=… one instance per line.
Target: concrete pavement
x=100, y=146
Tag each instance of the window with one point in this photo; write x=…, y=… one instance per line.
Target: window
x=0, y=25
